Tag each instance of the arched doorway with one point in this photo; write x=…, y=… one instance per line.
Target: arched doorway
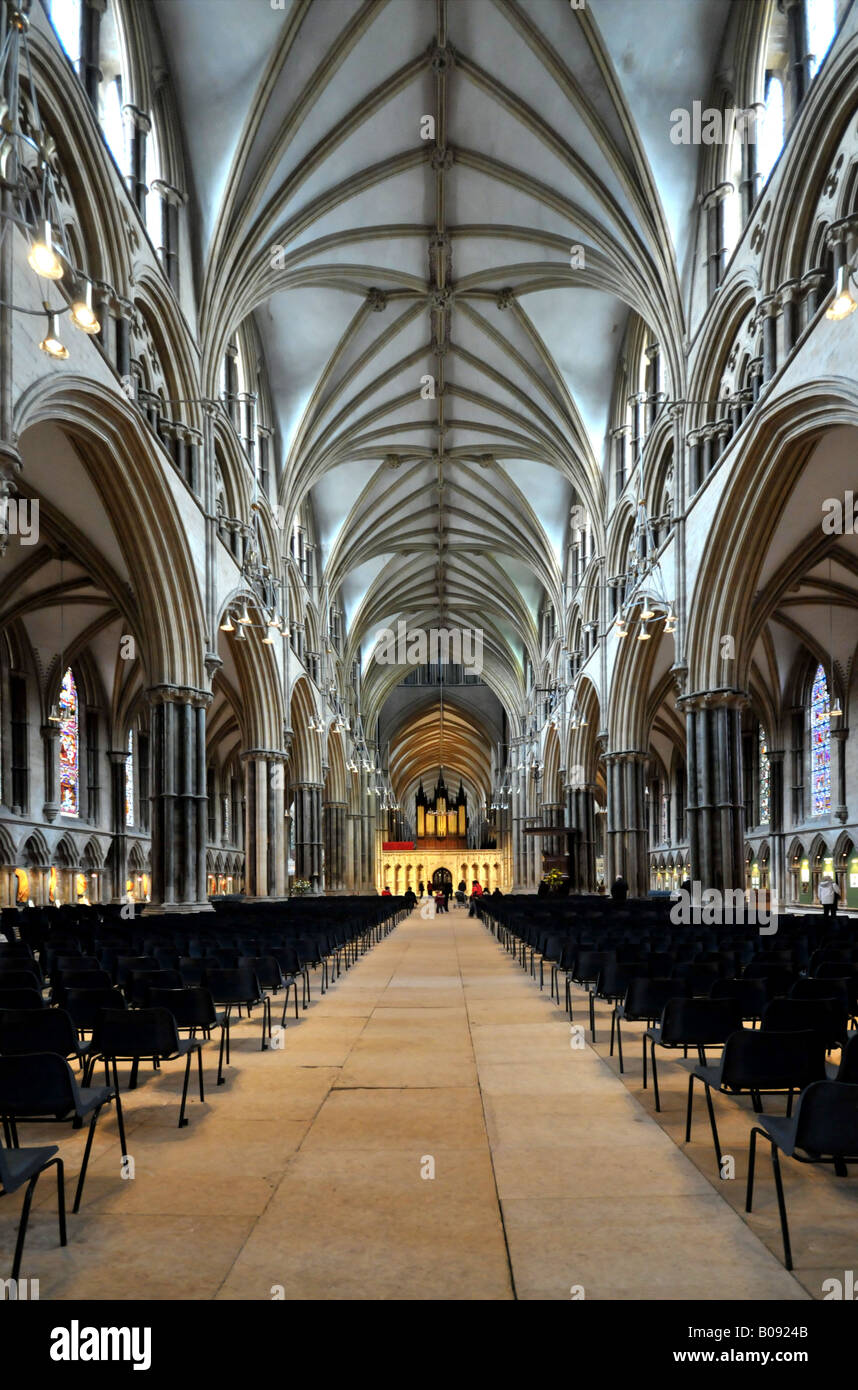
x=439, y=878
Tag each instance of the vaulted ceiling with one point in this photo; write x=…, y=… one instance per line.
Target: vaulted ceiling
x=441, y=213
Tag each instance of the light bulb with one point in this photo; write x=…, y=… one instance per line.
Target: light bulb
x=227, y=625
x=844, y=303
x=268, y=640
x=83, y=315
x=51, y=342
x=647, y=613
x=43, y=258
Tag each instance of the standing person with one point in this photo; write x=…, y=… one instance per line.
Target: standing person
x=619, y=889
x=828, y=893
x=476, y=892
x=440, y=902
x=446, y=889
x=410, y=898
x=420, y=889
x=385, y=892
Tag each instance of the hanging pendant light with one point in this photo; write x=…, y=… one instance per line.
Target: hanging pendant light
x=42, y=257
x=83, y=315
x=244, y=617
x=227, y=625
x=51, y=343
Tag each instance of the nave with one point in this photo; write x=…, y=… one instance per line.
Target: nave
x=303, y=1177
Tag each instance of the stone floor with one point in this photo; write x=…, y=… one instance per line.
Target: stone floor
x=426, y=1131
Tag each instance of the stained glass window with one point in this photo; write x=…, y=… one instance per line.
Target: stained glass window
x=765, y=778
x=129, y=780
x=820, y=745
x=69, y=747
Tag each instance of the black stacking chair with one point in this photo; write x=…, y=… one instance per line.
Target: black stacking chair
x=847, y=1070
x=192, y=1008
x=19, y=1166
x=644, y=1003
x=824, y=1129
x=758, y=1063
x=21, y=978
x=778, y=978
x=685, y=1023
x=233, y=989
x=85, y=1007
x=612, y=986
x=40, y=1030
x=138, y=1034
x=127, y=965
x=291, y=966
x=63, y=981
x=41, y=1086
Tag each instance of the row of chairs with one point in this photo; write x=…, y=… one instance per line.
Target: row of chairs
x=135, y=1011
x=802, y=995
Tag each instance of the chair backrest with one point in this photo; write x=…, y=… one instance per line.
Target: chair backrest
x=749, y=994
x=126, y=965
x=236, y=986
x=806, y=988
x=142, y=982
x=699, y=1021
x=826, y=1017
x=778, y=978
x=267, y=969
x=827, y=1119
x=135, y=1033
x=21, y=999
x=37, y=1083
x=86, y=1005
x=646, y=998
x=81, y=979
x=12, y=977
x=76, y=962
x=191, y=1007
x=847, y=1072
x=36, y=1030
x=765, y=1061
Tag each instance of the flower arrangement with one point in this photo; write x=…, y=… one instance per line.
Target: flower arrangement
x=553, y=878
x=301, y=886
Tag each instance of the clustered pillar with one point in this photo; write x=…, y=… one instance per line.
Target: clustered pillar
x=335, y=839
x=627, y=829
x=308, y=834
x=179, y=802
x=265, y=824
x=715, y=807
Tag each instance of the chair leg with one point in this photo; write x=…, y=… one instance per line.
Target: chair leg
x=83, y=1167
x=789, y=1102
x=752, y=1153
x=620, y=1044
x=592, y=1017
x=22, y=1225
x=119, y=1117
x=654, y=1074
x=200, y=1070
x=643, y=1051
x=613, y=1026
x=266, y=1018
x=779, y=1187
x=712, y=1125
x=182, y=1118
x=223, y=1032
x=61, y=1200
x=688, y=1108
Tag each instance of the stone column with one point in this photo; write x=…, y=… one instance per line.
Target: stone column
x=334, y=823
x=838, y=781
x=627, y=826
x=789, y=295
x=799, y=56
x=778, y=867
x=716, y=251
x=751, y=177
x=50, y=748
x=581, y=817
x=168, y=251
x=813, y=285
x=352, y=850
x=89, y=70
x=179, y=803
x=119, y=846
x=138, y=126
x=308, y=833
x=768, y=310
x=264, y=823
x=715, y=809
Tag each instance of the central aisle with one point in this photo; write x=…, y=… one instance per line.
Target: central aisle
x=437, y=1053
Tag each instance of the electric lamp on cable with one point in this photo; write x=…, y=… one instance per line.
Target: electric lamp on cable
x=844, y=302
x=51, y=343
x=227, y=624
x=83, y=315
x=43, y=258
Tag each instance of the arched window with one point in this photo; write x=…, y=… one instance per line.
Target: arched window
x=69, y=747
x=129, y=780
x=764, y=772
x=154, y=204
x=820, y=745
x=112, y=124
x=65, y=17
x=821, y=28
x=771, y=127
